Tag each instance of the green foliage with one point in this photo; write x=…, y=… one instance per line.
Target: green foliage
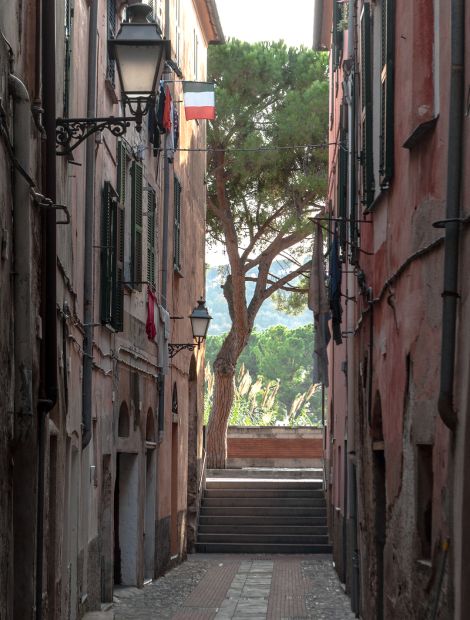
x=273, y=381
x=268, y=95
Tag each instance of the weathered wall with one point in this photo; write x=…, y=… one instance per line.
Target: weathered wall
x=394, y=352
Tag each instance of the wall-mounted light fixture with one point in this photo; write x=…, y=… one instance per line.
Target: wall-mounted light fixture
x=140, y=53
x=200, y=319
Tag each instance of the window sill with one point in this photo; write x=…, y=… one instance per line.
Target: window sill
x=420, y=132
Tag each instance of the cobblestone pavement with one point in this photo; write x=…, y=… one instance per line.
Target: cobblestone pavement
x=240, y=587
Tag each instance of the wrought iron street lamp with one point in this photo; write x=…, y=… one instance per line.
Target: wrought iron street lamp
x=140, y=53
x=200, y=319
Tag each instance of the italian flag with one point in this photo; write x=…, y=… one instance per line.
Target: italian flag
x=199, y=100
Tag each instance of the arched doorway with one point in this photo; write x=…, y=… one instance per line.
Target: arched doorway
x=126, y=502
x=193, y=461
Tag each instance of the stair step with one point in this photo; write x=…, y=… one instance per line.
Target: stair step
x=262, y=472
x=237, y=492
x=294, y=502
x=254, y=520
x=281, y=538
x=263, y=484
x=230, y=528
x=260, y=548
x=298, y=511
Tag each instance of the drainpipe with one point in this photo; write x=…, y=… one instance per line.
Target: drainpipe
x=317, y=23
x=166, y=209
x=24, y=327
x=87, y=381
x=452, y=225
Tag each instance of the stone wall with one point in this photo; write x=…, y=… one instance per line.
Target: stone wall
x=274, y=446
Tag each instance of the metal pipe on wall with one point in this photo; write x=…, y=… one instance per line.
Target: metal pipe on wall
x=452, y=235
x=88, y=313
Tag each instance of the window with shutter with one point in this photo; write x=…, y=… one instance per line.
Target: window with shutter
x=151, y=233
x=136, y=225
x=112, y=237
x=118, y=272
x=177, y=226
x=111, y=19
x=106, y=253
x=387, y=93
x=367, y=161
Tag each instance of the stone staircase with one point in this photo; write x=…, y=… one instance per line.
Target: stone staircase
x=263, y=511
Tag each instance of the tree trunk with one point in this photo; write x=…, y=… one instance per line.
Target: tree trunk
x=224, y=374
x=216, y=445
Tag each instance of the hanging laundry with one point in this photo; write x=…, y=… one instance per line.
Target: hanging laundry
x=176, y=127
x=163, y=338
x=167, y=111
x=170, y=136
x=335, y=289
x=161, y=109
x=150, y=325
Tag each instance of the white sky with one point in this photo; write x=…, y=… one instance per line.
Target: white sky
x=268, y=20
x=264, y=20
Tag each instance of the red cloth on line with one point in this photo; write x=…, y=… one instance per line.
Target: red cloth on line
x=167, y=111
x=150, y=325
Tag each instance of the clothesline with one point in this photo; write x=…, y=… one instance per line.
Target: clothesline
x=255, y=149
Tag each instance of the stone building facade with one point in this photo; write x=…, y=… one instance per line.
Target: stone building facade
x=397, y=459
x=101, y=436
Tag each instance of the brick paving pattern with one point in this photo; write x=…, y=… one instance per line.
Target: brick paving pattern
x=240, y=587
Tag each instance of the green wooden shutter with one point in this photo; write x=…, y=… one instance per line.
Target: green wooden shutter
x=118, y=268
x=121, y=170
x=177, y=226
x=106, y=253
x=151, y=221
x=367, y=161
x=136, y=225
x=387, y=93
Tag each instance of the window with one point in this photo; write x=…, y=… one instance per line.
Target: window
x=387, y=93
x=195, y=54
x=177, y=226
x=366, y=156
x=111, y=17
x=338, y=27
x=157, y=11
x=342, y=179
x=112, y=258
x=136, y=225
x=178, y=32
x=151, y=234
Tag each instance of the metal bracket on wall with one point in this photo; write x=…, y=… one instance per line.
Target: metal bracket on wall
x=175, y=348
x=70, y=132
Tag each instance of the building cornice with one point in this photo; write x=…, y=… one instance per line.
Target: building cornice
x=209, y=20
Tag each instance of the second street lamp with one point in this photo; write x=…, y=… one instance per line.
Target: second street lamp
x=140, y=53
x=200, y=319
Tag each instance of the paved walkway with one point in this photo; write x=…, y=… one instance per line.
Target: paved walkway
x=239, y=587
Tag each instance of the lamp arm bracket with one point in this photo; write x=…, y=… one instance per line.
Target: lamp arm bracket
x=70, y=132
x=174, y=348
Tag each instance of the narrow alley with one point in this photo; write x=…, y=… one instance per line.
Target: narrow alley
x=222, y=587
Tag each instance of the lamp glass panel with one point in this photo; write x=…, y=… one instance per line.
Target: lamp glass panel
x=199, y=327
x=138, y=65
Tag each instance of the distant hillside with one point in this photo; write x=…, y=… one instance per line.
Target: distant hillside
x=268, y=315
